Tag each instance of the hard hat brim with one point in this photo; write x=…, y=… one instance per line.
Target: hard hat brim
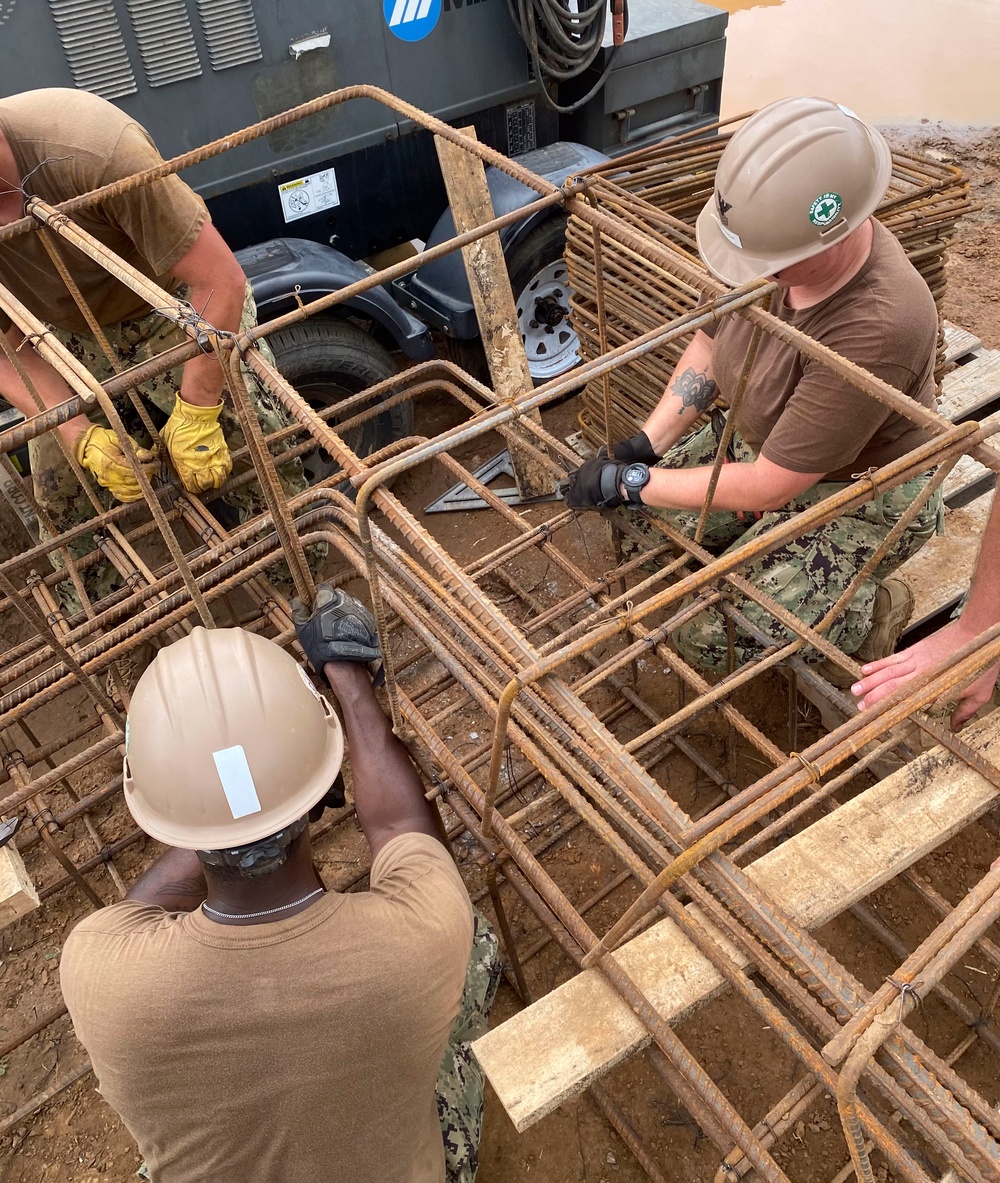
x=735, y=266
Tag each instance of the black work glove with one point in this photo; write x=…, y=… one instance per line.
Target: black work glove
x=339, y=628
x=594, y=485
x=637, y=450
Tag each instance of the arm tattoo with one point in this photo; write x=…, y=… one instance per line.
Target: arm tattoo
x=695, y=390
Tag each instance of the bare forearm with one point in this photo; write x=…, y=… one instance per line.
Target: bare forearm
x=175, y=882
x=983, y=608
x=50, y=387
x=754, y=488
x=202, y=380
x=689, y=393
x=388, y=794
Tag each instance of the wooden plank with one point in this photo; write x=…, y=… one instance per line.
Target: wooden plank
x=471, y=206
x=17, y=892
x=969, y=388
x=941, y=571
x=557, y=1046
x=967, y=472
x=958, y=342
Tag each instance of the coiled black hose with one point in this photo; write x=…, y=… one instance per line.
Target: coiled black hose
x=563, y=42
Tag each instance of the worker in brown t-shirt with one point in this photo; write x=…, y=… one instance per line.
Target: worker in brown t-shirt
x=244, y=1021
x=57, y=144
x=794, y=193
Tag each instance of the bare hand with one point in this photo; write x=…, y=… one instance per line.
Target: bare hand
x=883, y=677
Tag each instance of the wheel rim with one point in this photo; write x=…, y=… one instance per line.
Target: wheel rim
x=320, y=395
x=550, y=341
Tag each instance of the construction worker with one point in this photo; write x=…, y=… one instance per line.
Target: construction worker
x=244, y=1021
x=57, y=144
x=794, y=193
x=980, y=612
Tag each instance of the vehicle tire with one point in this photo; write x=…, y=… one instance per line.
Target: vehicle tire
x=538, y=279
x=326, y=360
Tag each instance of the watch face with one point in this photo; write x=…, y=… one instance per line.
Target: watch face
x=636, y=474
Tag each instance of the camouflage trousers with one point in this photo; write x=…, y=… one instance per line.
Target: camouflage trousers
x=56, y=488
x=460, y=1080
x=805, y=576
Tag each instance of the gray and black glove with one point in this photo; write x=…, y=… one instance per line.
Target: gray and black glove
x=338, y=628
x=595, y=484
x=637, y=450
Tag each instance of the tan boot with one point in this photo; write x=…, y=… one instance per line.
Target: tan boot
x=891, y=614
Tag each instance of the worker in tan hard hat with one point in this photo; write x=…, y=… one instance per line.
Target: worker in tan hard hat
x=246, y=1022
x=794, y=193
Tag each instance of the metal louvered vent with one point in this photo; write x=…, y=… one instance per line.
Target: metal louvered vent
x=92, y=40
x=166, y=40
x=231, y=32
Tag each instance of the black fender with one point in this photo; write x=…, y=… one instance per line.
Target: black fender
x=281, y=267
x=439, y=291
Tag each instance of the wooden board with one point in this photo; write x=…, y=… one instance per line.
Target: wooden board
x=958, y=342
x=17, y=892
x=552, y=1050
x=967, y=472
x=486, y=270
x=941, y=571
x=971, y=387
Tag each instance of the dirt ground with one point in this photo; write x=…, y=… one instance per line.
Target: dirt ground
x=78, y=1139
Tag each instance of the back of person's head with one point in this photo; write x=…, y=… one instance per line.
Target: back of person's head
x=797, y=178
x=228, y=746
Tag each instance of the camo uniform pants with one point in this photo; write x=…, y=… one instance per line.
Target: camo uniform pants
x=460, y=1081
x=58, y=491
x=805, y=576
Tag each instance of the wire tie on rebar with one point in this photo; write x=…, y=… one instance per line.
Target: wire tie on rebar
x=868, y=476
x=809, y=766
x=905, y=988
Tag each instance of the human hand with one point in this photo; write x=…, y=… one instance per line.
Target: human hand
x=595, y=484
x=882, y=677
x=636, y=450
x=100, y=452
x=197, y=446
x=338, y=628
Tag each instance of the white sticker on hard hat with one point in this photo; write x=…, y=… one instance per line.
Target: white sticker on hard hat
x=308, y=681
x=237, y=781
x=733, y=238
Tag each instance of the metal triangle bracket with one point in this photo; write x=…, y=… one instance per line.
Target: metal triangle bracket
x=460, y=496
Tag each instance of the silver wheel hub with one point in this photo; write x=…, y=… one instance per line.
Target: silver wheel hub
x=550, y=341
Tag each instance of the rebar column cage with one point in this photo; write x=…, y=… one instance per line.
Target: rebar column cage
x=537, y=688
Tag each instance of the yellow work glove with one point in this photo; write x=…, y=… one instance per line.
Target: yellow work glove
x=197, y=446
x=99, y=451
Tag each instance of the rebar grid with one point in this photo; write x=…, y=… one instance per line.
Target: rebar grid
x=587, y=713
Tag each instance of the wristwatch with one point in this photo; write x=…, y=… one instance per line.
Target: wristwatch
x=634, y=479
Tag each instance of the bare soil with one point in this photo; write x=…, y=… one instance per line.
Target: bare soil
x=77, y=1138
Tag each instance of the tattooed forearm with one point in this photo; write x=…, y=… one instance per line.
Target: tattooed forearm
x=694, y=390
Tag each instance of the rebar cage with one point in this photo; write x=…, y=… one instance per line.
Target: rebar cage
x=532, y=676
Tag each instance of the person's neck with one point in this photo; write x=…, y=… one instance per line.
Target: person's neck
x=285, y=892
x=854, y=255
x=11, y=197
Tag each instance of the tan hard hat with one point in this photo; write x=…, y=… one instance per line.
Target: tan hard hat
x=796, y=178
x=227, y=741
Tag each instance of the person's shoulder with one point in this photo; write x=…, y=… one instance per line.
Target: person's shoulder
x=416, y=864
x=62, y=111
x=126, y=919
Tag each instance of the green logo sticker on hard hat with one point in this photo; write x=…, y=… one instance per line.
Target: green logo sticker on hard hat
x=825, y=209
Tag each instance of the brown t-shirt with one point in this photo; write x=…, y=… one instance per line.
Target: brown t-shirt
x=66, y=143
x=798, y=414
x=297, y=1051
